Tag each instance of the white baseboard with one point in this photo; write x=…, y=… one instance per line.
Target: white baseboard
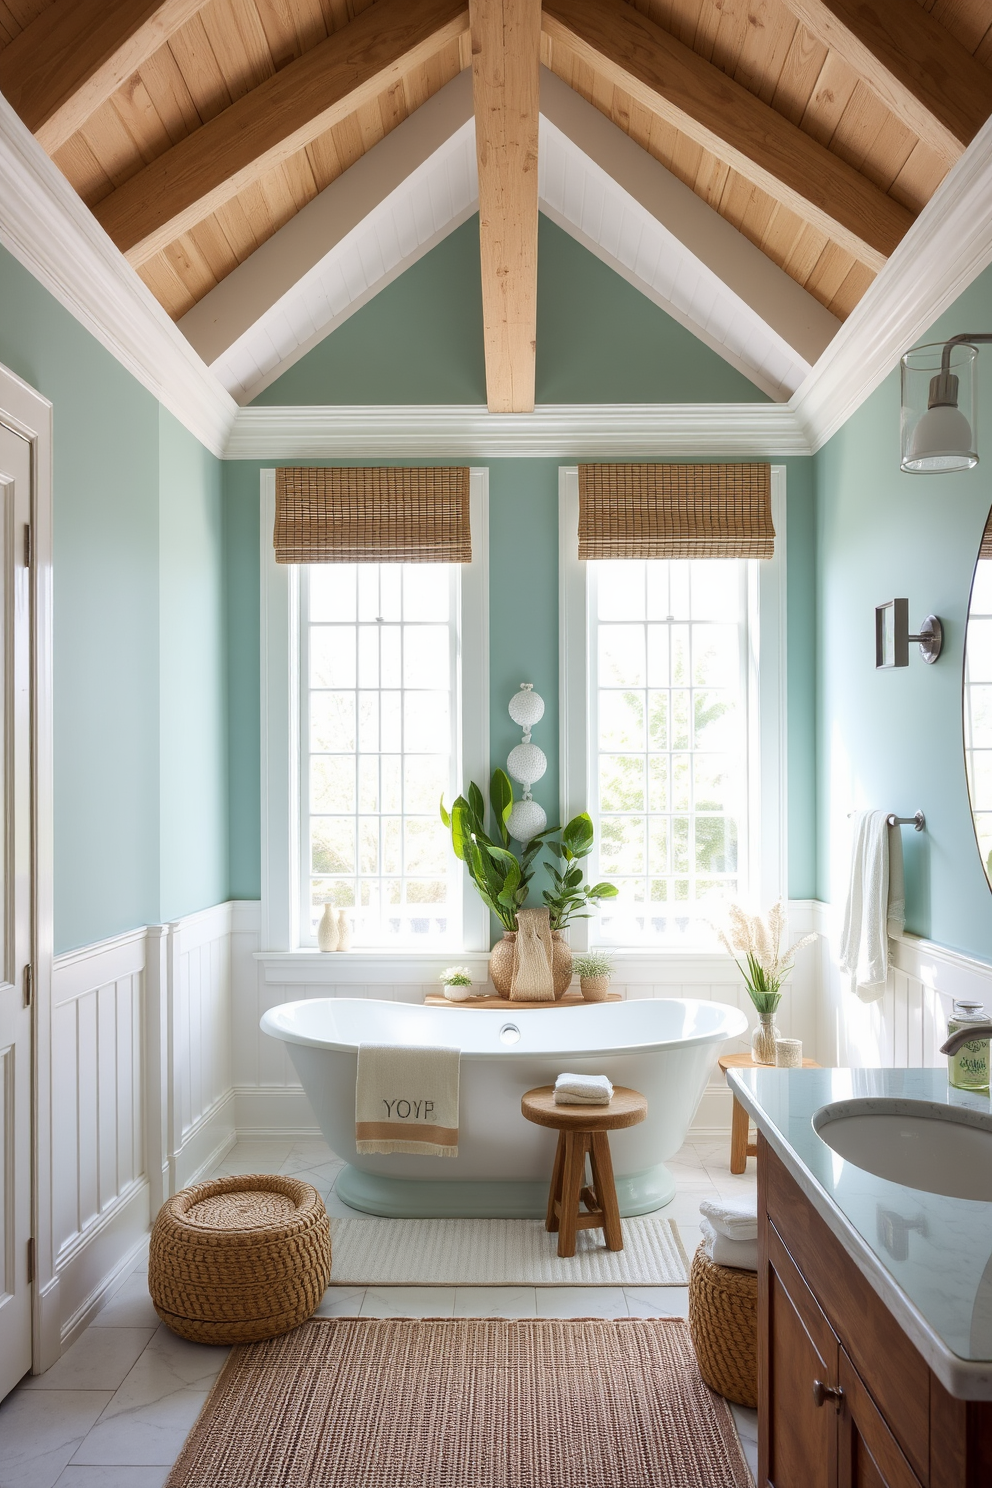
x=97, y=1259
x=205, y=1144
x=273, y=1113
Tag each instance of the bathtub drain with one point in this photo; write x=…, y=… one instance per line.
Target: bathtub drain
x=509, y=1033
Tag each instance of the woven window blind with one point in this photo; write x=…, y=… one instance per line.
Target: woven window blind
x=372, y=514
x=985, y=551
x=675, y=511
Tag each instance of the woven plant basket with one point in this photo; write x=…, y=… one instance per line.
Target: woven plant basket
x=239, y=1259
x=723, y=1322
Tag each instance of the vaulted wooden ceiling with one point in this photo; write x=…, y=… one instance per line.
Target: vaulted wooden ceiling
x=194, y=131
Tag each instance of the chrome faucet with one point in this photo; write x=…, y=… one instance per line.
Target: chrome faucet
x=965, y=1035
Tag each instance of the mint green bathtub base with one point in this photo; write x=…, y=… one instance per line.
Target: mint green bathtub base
x=415, y=1198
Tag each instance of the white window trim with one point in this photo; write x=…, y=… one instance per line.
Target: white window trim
x=767, y=710
x=280, y=734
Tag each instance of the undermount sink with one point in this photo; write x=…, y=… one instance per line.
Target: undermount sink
x=921, y=1144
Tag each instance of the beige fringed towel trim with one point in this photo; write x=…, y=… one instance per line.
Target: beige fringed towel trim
x=406, y=1100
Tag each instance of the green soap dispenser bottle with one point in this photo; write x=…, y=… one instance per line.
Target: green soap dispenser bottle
x=968, y=1068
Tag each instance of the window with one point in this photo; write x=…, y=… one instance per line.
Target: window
x=374, y=700
x=673, y=731
x=978, y=707
x=379, y=652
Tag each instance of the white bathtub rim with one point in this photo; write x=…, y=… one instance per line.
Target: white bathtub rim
x=734, y=1024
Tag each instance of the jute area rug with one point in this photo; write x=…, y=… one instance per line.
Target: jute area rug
x=465, y=1403
x=501, y=1252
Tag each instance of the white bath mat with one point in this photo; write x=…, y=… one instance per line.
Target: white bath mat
x=501, y=1252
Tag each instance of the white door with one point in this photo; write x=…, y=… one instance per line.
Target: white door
x=15, y=909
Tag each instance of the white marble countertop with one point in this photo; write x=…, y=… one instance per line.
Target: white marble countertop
x=929, y=1258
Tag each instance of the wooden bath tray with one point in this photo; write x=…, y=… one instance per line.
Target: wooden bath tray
x=571, y=999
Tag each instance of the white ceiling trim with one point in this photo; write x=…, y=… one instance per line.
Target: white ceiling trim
x=575, y=431
x=46, y=227
x=945, y=250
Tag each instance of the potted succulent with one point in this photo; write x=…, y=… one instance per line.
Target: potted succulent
x=502, y=878
x=457, y=983
x=593, y=969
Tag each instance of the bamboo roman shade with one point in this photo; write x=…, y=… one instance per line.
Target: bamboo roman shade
x=985, y=551
x=373, y=514
x=675, y=511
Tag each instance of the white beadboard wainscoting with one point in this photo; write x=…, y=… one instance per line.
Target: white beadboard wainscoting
x=141, y=1095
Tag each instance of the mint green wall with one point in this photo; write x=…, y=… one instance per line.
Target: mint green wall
x=192, y=677
x=599, y=340
x=523, y=618
x=113, y=558
x=893, y=739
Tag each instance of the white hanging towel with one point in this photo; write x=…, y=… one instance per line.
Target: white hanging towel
x=876, y=903
x=406, y=1100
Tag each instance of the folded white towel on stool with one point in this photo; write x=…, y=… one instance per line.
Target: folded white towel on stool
x=583, y=1090
x=737, y=1221
x=742, y=1255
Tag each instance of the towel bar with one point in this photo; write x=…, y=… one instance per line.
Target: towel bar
x=917, y=820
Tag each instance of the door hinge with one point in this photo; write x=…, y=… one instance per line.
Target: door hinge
x=27, y=545
x=28, y=985
x=31, y=1260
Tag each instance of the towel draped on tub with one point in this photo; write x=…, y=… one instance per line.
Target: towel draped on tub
x=406, y=1100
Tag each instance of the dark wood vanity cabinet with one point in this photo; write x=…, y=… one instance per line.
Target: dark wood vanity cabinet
x=845, y=1400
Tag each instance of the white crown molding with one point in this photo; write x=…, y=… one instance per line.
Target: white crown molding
x=945, y=250
x=577, y=431
x=47, y=228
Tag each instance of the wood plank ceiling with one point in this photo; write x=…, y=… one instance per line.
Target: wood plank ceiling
x=818, y=128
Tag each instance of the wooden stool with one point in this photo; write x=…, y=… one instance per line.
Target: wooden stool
x=740, y=1148
x=583, y=1129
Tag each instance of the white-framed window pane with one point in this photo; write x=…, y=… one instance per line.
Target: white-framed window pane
x=380, y=700
x=668, y=743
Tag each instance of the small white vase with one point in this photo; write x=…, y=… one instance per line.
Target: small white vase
x=344, y=931
x=458, y=994
x=327, y=930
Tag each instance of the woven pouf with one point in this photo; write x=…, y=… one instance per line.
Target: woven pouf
x=723, y=1322
x=239, y=1259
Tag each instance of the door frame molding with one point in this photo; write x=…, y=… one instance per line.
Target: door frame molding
x=27, y=413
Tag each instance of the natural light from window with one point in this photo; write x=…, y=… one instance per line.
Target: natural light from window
x=668, y=662
x=978, y=708
x=380, y=737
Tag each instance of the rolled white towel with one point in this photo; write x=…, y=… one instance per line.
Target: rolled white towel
x=742, y=1255
x=583, y=1090
x=738, y=1221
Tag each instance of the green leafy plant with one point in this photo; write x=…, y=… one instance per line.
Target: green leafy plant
x=593, y=964
x=456, y=976
x=501, y=876
x=570, y=898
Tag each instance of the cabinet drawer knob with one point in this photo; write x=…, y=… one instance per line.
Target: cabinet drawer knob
x=822, y=1393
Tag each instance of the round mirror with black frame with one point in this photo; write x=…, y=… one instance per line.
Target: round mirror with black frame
x=977, y=700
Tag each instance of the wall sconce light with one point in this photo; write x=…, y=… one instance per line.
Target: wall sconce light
x=892, y=635
x=938, y=419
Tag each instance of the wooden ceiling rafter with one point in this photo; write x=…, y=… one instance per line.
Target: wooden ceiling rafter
x=77, y=53
x=506, y=68
x=919, y=70
x=266, y=126
x=632, y=53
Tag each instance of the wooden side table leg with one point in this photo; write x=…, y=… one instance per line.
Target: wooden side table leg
x=738, y=1138
x=573, y=1180
x=551, y=1223
x=606, y=1190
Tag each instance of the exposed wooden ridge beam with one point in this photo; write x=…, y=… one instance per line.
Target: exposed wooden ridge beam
x=74, y=55
x=506, y=69
x=280, y=116
x=670, y=80
x=912, y=62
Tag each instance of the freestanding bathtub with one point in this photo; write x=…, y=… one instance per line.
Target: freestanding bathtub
x=664, y=1048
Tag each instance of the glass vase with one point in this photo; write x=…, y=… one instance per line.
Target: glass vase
x=763, y=1039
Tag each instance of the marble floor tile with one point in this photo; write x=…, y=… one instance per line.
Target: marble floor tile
x=145, y=1432
x=578, y=1302
x=337, y=1206
x=416, y=1302
x=41, y=1429
x=307, y=1155
x=169, y=1363
x=341, y=1301
x=495, y=1302
x=130, y=1306
x=103, y=1476
x=100, y=1359
x=657, y=1301
x=322, y=1177
x=747, y=1429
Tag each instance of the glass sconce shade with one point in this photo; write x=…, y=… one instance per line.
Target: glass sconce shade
x=939, y=416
